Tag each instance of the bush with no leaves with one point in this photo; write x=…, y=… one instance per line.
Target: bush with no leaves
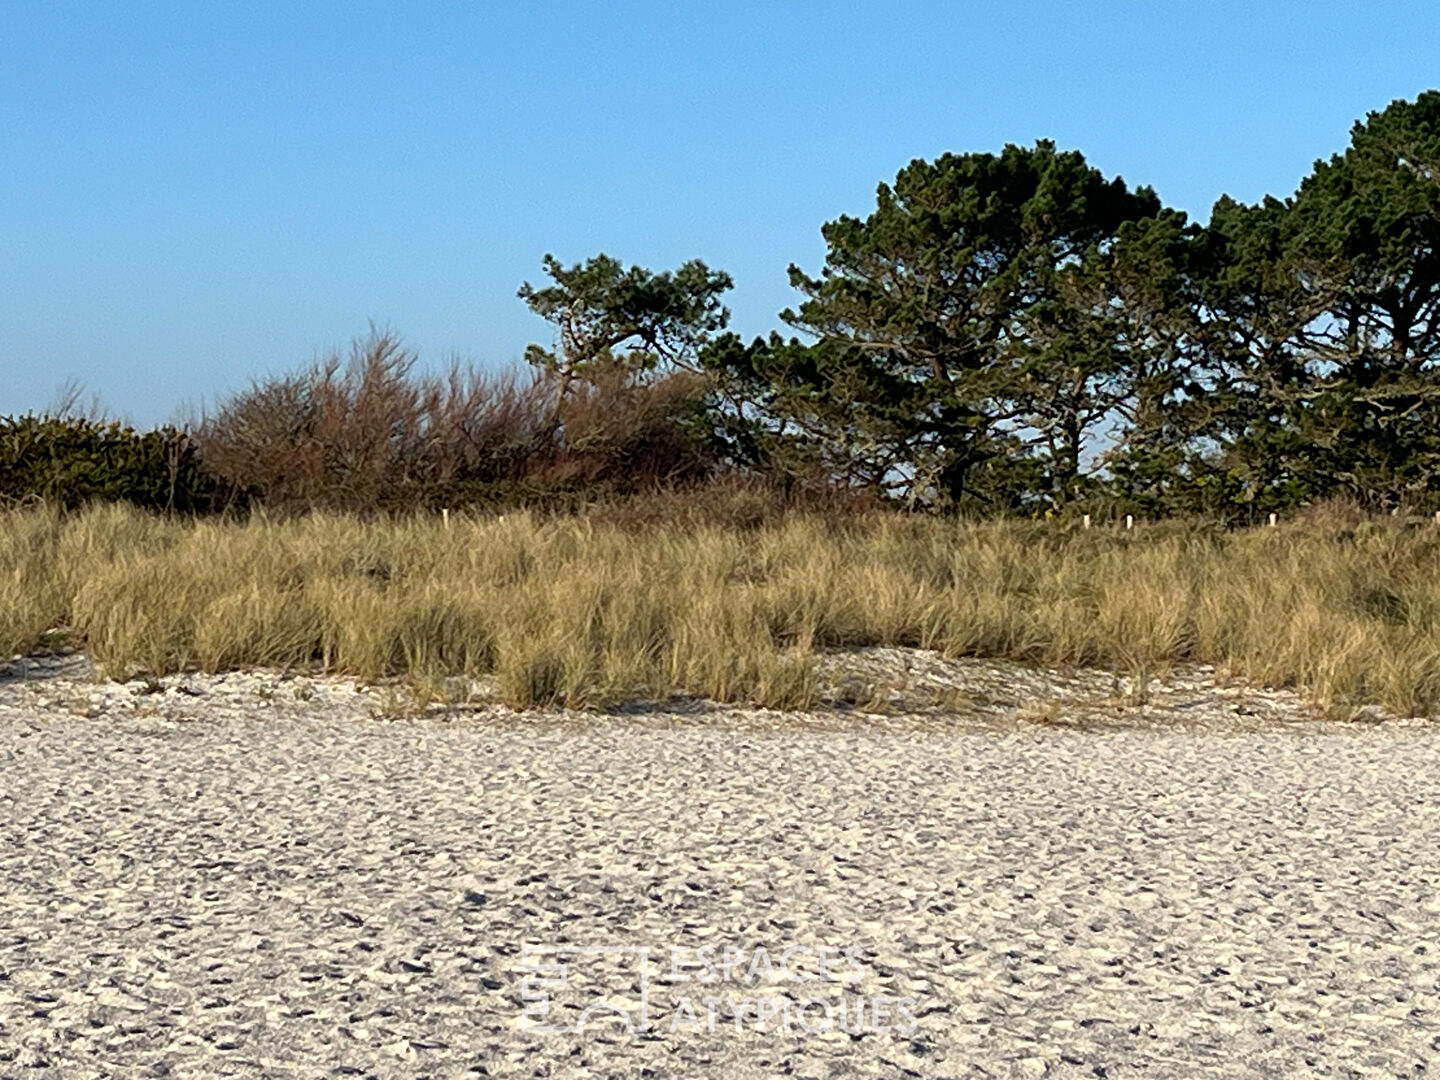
x=373, y=434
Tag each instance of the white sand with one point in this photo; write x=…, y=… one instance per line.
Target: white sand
x=258, y=878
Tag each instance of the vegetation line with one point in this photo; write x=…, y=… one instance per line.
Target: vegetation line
x=580, y=610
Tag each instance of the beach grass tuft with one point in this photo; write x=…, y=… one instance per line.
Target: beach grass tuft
x=580, y=612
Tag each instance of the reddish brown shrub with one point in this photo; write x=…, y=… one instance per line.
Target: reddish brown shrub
x=371, y=434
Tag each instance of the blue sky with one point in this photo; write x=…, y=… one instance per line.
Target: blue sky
x=195, y=195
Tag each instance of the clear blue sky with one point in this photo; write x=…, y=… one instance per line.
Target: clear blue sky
x=193, y=195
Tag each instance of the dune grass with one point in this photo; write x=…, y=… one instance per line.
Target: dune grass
x=571, y=611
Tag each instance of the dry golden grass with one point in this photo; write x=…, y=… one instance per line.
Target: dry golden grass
x=571, y=611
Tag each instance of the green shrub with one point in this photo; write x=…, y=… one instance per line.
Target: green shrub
x=70, y=461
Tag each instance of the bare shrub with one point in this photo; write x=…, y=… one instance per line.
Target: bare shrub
x=371, y=434
x=617, y=433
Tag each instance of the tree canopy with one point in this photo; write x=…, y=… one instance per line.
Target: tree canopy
x=604, y=313
x=1016, y=331
x=961, y=343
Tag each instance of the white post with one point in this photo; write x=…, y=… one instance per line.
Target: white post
x=445, y=516
x=1437, y=517
x=1129, y=521
x=1085, y=521
x=1274, y=520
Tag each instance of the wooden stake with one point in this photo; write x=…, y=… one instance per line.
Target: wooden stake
x=1129, y=521
x=445, y=516
x=1085, y=521
x=1274, y=520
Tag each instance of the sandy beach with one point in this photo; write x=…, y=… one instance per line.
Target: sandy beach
x=259, y=875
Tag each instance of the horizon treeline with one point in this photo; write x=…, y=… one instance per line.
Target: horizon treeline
x=1009, y=333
